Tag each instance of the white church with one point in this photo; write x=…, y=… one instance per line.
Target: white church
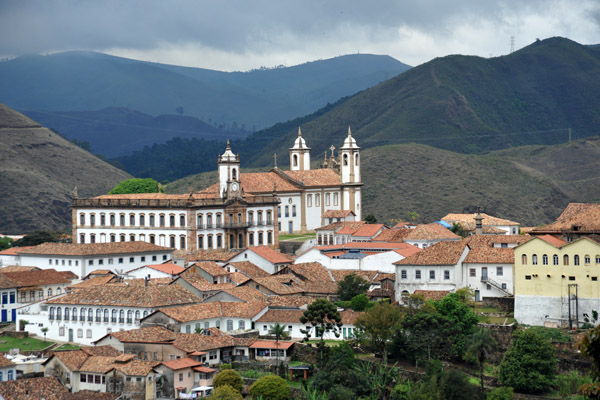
x=241, y=210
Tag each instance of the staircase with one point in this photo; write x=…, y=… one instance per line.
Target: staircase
x=496, y=285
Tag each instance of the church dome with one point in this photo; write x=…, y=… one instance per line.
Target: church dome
x=228, y=155
x=350, y=142
x=299, y=143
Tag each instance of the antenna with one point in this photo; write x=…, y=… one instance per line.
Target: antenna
x=512, y=44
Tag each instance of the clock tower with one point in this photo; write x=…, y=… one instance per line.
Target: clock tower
x=229, y=174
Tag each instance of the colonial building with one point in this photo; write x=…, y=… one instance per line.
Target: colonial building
x=576, y=221
x=241, y=210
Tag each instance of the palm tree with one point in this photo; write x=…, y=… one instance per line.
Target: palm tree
x=278, y=331
x=481, y=344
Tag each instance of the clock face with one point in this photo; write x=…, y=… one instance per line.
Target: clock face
x=234, y=186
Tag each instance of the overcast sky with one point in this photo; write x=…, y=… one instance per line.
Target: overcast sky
x=235, y=35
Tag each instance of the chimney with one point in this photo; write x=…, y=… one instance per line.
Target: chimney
x=478, y=224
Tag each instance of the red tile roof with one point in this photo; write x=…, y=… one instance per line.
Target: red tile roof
x=48, y=388
x=271, y=344
x=554, y=241
x=340, y=274
x=212, y=268
x=368, y=230
x=217, y=309
x=90, y=249
x=273, y=256
x=433, y=231
x=316, y=177
x=441, y=253
x=467, y=221
x=309, y=271
x=279, y=284
x=577, y=217
x=167, y=268
x=37, y=278
x=147, y=334
x=394, y=235
x=249, y=269
x=246, y=293
x=181, y=363
x=13, y=251
x=17, y=268
x=337, y=213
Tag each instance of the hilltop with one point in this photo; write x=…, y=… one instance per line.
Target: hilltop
x=529, y=184
x=38, y=172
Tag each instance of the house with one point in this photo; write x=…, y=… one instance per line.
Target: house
x=332, y=216
x=239, y=211
x=488, y=225
x=576, y=221
x=277, y=285
x=8, y=370
x=238, y=294
x=264, y=257
x=209, y=270
x=83, y=258
x=359, y=256
x=83, y=316
x=271, y=351
x=290, y=319
x=116, y=373
x=166, y=270
x=46, y=388
x=317, y=280
x=482, y=262
x=183, y=374
x=424, y=235
x=200, y=286
x=556, y=282
x=226, y=316
x=10, y=256
x=247, y=268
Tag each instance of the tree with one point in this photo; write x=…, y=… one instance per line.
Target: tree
x=413, y=215
x=225, y=392
x=5, y=242
x=461, y=315
x=39, y=237
x=359, y=303
x=429, y=333
x=378, y=325
x=44, y=331
x=458, y=229
x=136, y=185
x=590, y=347
x=480, y=344
x=229, y=377
x=370, y=219
x=278, y=331
x=270, y=387
x=341, y=370
x=352, y=285
x=324, y=317
x=529, y=364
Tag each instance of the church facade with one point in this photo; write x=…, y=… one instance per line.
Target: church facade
x=241, y=210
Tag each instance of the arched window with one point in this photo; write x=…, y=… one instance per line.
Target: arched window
x=597, y=259
x=524, y=259
x=555, y=259
x=576, y=259
x=269, y=217
x=587, y=259
x=565, y=259
x=182, y=221
x=356, y=159
x=90, y=315
x=129, y=316
x=74, y=314
x=106, y=314
x=295, y=160
x=113, y=316
x=145, y=313
x=49, y=292
x=58, y=313
x=206, y=325
x=234, y=174
x=345, y=159
x=131, y=219
x=545, y=259
x=209, y=221
x=534, y=259
x=67, y=313
x=121, y=316
x=137, y=316
x=52, y=311
x=98, y=315
x=199, y=221
x=59, y=291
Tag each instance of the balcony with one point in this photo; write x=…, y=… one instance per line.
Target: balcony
x=129, y=320
x=121, y=320
x=90, y=318
x=74, y=318
x=113, y=320
x=98, y=319
x=105, y=319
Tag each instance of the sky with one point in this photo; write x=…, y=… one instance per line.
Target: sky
x=239, y=35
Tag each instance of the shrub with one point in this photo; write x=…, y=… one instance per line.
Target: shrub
x=339, y=392
x=229, y=377
x=225, y=392
x=502, y=393
x=271, y=387
x=226, y=366
x=359, y=303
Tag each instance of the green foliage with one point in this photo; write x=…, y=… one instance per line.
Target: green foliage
x=5, y=242
x=225, y=392
x=378, y=326
x=458, y=229
x=552, y=334
x=480, y=344
x=39, y=237
x=461, y=315
x=456, y=386
x=569, y=384
x=339, y=392
x=429, y=334
x=225, y=366
x=590, y=347
x=352, y=285
x=344, y=304
x=370, y=219
x=229, y=377
x=359, y=302
x=270, y=387
x=529, y=365
x=501, y=393
x=341, y=369
x=136, y=185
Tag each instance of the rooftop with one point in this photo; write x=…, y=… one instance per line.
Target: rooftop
x=92, y=249
x=577, y=217
x=271, y=255
x=167, y=268
x=433, y=231
x=217, y=309
x=249, y=269
x=467, y=221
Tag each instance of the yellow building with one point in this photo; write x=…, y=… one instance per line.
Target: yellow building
x=556, y=282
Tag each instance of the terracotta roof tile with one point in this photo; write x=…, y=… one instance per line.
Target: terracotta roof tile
x=309, y=271
x=202, y=285
x=249, y=269
x=142, y=282
x=554, y=241
x=280, y=284
x=212, y=268
x=209, y=255
x=5, y=362
x=339, y=274
x=91, y=282
x=578, y=217
x=48, y=388
x=368, y=230
x=238, y=278
x=382, y=276
x=37, y=278
x=337, y=213
x=467, y=221
x=72, y=359
x=218, y=309
x=321, y=288
x=167, y=268
x=149, y=334
x=394, y=235
x=441, y=253
x=17, y=268
x=281, y=316
x=367, y=246
x=271, y=344
x=136, y=367
x=204, y=370
x=101, y=272
x=129, y=296
x=290, y=301
x=247, y=294
x=273, y=256
x=316, y=177
x=433, y=231
x=13, y=251
x=89, y=249
x=107, y=351
x=181, y=363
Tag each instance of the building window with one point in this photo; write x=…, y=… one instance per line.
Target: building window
x=88, y=333
x=446, y=275
x=242, y=324
x=49, y=292
x=545, y=259
x=218, y=220
x=209, y=221
x=81, y=239
x=113, y=238
x=418, y=274
x=112, y=220
x=131, y=219
x=287, y=211
x=587, y=259
x=566, y=260
x=294, y=210
x=152, y=220
x=172, y=241
x=219, y=241
x=534, y=259
x=92, y=238
x=431, y=274
x=102, y=219
x=251, y=239
x=317, y=200
x=335, y=199
x=182, y=242
x=210, y=241
x=269, y=219
x=598, y=259
x=142, y=220
x=528, y=277
x=309, y=200
x=555, y=259
x=82, y=219
x=229, y=325
x=269, y=238
x=472, y=272
x=403, y=274
x=524, y=259
x=161, y=220
x=122, y=237
x=576, y=259
x=327, y=199
x=200, y=221
x=260, y=238
x=80, y=335
x=499, y=271
x=182, y=221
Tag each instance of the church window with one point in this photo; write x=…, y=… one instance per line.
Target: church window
x=209, y=221
x=250, y=218
x=200, y=241
x=317, y=200
x=218, y=220
x=81, y=239
x=295, y=160
x=327, y=199
x=142, y=220
x=172, y=241
x=199, y=221
x=102, y=219
x=309, y=200
x=278, y=211
x=260, y=238
x=294, y=210
x=161, y=219
x=269, y=218
x=555, y=259
x=335, y=199
x=287, y=211
x=131, y=219
x=152, y=239
x=210, y=241
x=122, y=219
x=269, y=238
x=219, y=241
x=576, y=259
x=112, y=220
x=545, y=259
x=92, y=238
x=234, y=174
x=113, y=238
x=171, y=220
x=182, y=242
x=251, y=239
x=182, y=221
x=132, y=238
x=345, y=159
x=534, y=259
x=260, y=218
x=356, y=159
x=153, y=220
x=82, y=219
x=92, y=219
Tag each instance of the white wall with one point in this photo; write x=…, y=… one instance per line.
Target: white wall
x=248, y=255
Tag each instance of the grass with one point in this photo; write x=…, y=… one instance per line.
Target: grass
x=65, y=347
x=23, y=344
x=298, y=237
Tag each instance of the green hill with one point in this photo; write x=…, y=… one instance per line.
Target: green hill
x=38, y=172
x=529, y=184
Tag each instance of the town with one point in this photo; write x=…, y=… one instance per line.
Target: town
x=157, y=295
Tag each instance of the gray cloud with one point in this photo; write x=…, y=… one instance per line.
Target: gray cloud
x=242, y=34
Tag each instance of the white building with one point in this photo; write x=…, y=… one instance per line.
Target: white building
x=153, y=271
x=84, y=258
x=265, y=258
x=86, y=315
x=489, y=225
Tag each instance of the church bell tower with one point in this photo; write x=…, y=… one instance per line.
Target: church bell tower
x=229, y=172
x=300, y=154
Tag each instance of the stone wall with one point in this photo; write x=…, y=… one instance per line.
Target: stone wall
x=289, y=247
x=502, y=303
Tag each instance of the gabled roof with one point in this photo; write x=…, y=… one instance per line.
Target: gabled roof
x=577, y=217
x=147, y=334
x=290, y=301
x=167, y=268
x=47, y=387
x=211, y=268
x=344, y=227
x=238, y=278
x=394, y=235
x=467, y=221
x=337, y=213
x=129, y=296
x=309, y=271
x=17, y=268
x=202, y=285
x=208, y=255
x=37, y=278
x=14, y=251
x=95, y=281
x=433, y=231
x=368, y=230
x=271, y=344
x=280, y=284
x=340, y=274
x=249, y=269
x=293, y=316
x=181, y=363
x=218, y=309
x=552, y=240
x=273, y=256
x=92, y=249
x=315, y=177
x=244, y=293
x=441, y=253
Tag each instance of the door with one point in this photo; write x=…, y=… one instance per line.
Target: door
x=4, y=315
x=70, y=335
x=477, y=296
x=14, y=315
x=291, y=227
x=484, y=276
